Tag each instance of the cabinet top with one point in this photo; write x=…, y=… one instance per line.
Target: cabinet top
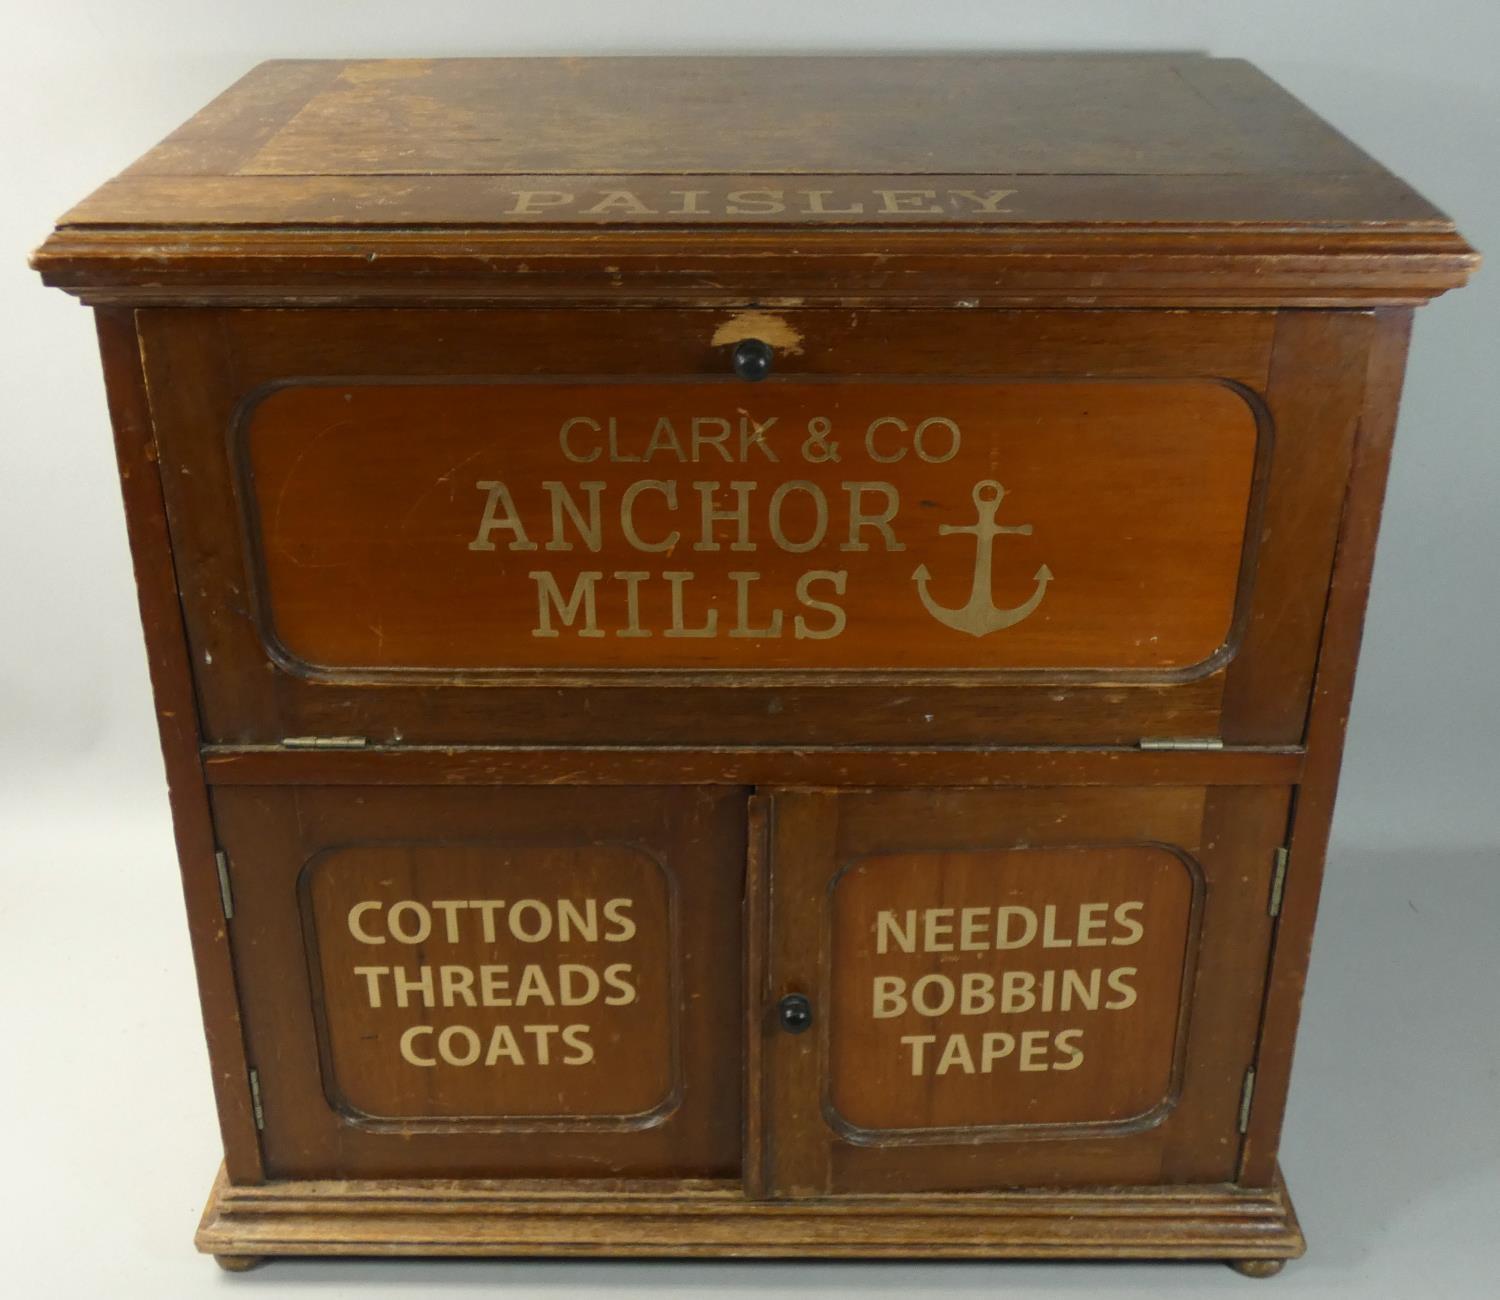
x=1011, y=155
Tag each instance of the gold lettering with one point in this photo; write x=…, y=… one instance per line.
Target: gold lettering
x=619, y=201
x=956, y=1053
x=450, y=908
x=894, y=422
x=918, y=1044
x=1064, y=1042
x=617, y=913
x=742, y=626
x=816, y=207
x=499, y=512
x=889, y=996
x=889, y=930
x=371, y=976
x=1033, y=1047
x=578, y=985
x=739, y=199
x=989, y=201
x=801, y=631
x=591, y=530
x=664, y=438
x=458, y=986
x=753, y=434
x=909, y=201
x=616, y=976
x=1119, y=982
x=567, y=450
x=739, y=515
x=919, y=439
x=860, y=518
x=1091, y=923
x=1133, y=928
x=358, y=911
x=820, y=515
x=617, y=456
x=503, y=1044
x=549, y=598
x=679, y=628
x=409, y=1049
x=632, y=581
x=702, y=439
x=577, y=1037
x=575, y=924
x=627, y=516
x=533, y=201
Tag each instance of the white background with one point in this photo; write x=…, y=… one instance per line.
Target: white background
x=1393, y=1141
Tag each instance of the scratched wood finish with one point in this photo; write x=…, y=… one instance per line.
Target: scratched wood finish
x=484, y=983
x=210, y=372
x=1126, y=179
x=659, y=1091
x=493, y=941
x=844, y=525
x=1212, y=939
x=974, y=993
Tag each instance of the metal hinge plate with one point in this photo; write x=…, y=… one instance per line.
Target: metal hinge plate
x=1247, y=1095
x=1180, y=742
x=226, y=892
x=323, y=742
x=1278, y=882
x=255, y=1106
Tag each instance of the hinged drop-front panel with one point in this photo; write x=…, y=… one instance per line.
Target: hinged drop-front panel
x=490, y=981
x=488, y=526
x=855, y=525
x=1008, y=988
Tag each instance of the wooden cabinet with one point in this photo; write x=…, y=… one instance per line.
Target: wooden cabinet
x=752, y=654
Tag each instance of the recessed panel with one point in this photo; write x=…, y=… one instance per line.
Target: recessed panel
x=493, y=985
x=1032, y=990
x=1071, y=527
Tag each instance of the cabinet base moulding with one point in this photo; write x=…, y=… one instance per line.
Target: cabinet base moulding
x=1252, y=1229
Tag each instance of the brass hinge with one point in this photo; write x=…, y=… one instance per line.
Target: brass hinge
x=1278, y=881
x=255, y=1106
x=226, y=894
x=323, y=742
x=1247, y=1095
x=1180, y=742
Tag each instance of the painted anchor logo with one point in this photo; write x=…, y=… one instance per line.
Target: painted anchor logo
x=979, y=616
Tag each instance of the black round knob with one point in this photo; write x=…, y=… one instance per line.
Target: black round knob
x=752, y=359
x=795, y=1013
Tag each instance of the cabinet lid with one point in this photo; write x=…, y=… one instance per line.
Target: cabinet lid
x=1107, y=178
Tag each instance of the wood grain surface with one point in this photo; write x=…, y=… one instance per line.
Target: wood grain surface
x=625, y=809
x=714, y=526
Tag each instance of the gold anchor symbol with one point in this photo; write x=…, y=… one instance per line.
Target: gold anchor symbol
x=979, y=616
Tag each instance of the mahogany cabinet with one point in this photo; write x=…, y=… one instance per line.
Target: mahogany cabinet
x=752, y=654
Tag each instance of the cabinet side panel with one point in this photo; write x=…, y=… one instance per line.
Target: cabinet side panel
x=1316, y=384
x=177, y=722
x=1334, y=685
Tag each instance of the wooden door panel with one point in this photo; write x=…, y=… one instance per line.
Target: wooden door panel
x=501, y=526
x=1016, y=987
x=493, y=982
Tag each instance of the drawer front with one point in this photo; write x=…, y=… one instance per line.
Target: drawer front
x=1040, y=987
x=490, y=981
x=506, y=526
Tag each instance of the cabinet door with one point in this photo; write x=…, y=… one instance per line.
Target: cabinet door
x=490, y=982
x=526, y=526
x=1022, y=987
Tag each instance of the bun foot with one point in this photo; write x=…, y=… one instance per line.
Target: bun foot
x=239, y=1263
x=1257, y=1267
